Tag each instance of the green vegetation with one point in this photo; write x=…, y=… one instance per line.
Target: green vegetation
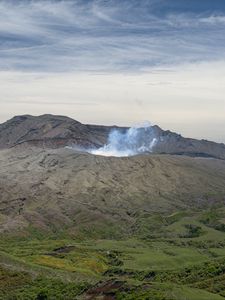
x=166, y=257
x=20, y=285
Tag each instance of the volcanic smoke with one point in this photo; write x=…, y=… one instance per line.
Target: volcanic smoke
x=135, y=140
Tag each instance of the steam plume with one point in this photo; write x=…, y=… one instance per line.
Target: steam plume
x=133, y=141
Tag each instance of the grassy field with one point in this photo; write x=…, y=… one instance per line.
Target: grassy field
x=178, y=256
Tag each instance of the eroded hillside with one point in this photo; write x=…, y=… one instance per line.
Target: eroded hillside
x=63, y=189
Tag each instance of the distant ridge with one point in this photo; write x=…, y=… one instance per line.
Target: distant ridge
x=53, y=131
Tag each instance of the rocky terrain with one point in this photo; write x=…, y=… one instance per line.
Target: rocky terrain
x=59, y=131
x=58, y=188
x=51, y=131
x=47, y=186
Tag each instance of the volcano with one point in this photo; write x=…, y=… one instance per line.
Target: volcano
x=49, y=174
x=59, y=131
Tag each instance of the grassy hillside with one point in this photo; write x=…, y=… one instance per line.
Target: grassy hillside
x=184, y=264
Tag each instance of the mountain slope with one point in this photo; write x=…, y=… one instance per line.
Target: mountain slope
x=62, y=188
x=48, y=130
x=81, y=226
x=59, y=131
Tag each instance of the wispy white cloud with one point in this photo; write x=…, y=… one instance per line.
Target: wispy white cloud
x=104, y=36
x=214, y=20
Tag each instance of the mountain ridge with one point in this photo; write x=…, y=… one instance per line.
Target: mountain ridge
x=53, y=131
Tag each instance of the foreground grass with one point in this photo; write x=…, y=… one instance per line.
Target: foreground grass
x=167, y=292
x=21, y=285
x=179, y=256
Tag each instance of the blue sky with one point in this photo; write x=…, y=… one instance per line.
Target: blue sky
x=109, y=35
x=90, y=59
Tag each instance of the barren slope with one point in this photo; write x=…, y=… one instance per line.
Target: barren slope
x=61, y=189
x=51, y=131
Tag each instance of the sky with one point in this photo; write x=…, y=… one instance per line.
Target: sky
x=116, y=62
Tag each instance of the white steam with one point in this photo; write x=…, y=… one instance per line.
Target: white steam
x=133, y=141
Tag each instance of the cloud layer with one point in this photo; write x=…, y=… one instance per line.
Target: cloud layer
x=113, y=61
x=108, y=36
x=188, y=99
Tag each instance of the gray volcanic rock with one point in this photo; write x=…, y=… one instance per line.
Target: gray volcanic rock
x=172, y=143
x=58, y=131
x=51, y=131
x=64, y=189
